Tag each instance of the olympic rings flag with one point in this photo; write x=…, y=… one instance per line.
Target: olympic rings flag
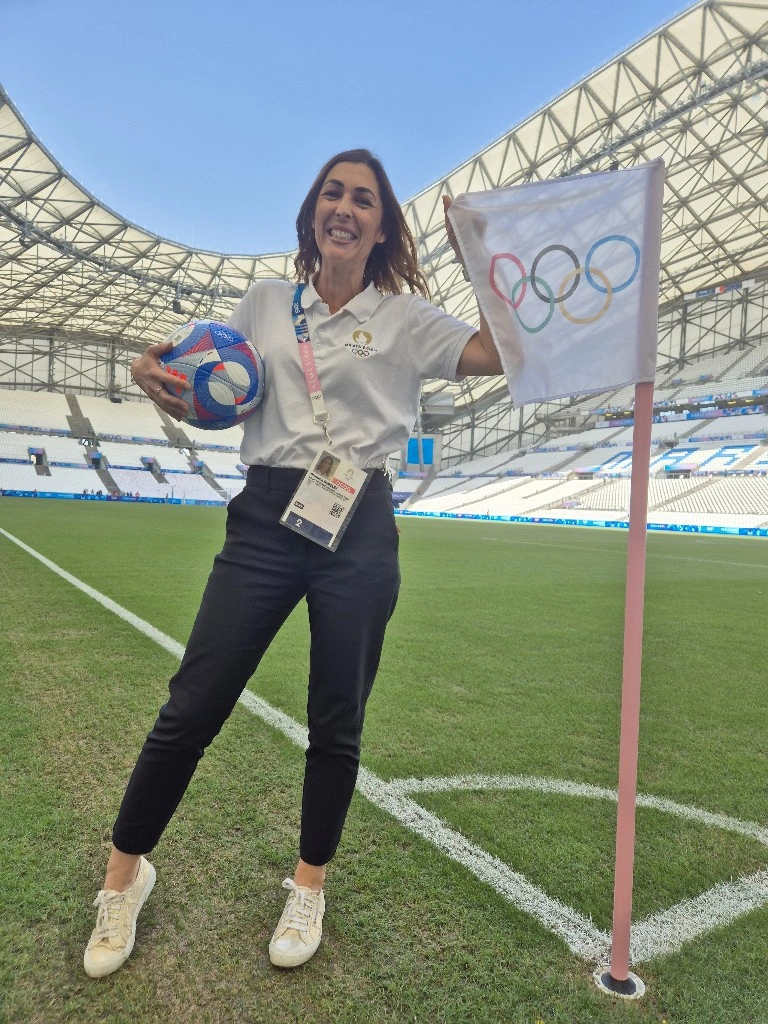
x=566, y=273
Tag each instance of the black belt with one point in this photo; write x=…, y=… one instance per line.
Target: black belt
x=281, y=478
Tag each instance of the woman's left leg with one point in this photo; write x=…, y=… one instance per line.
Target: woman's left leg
x=351, y=594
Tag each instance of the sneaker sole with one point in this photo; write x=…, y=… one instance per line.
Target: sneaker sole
x=94, y=970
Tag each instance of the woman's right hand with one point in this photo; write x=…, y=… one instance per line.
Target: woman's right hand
x=147, y=372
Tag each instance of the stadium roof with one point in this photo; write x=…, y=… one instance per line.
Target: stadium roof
x=695, y=93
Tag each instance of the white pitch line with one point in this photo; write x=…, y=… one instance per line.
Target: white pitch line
x=141, y=625
x=667, y=930
x=579, y=934
x=440, y=784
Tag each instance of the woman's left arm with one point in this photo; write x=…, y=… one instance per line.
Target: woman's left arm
x=480, y=356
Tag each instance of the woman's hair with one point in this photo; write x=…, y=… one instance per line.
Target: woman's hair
x=393, y=261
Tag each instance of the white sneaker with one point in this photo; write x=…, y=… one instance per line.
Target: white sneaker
x=300, y=929
x=113, y=937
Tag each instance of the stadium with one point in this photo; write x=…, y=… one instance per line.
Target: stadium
x=492, y=812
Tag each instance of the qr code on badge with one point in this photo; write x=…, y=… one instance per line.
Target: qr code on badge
x=336, y=511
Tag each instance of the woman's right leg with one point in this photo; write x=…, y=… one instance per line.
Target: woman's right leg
x=256, y=581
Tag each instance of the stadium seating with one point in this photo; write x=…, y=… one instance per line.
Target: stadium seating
x=64, y=480
x=125, y=419
x=733, y=426
x=34, y=410
x=577, y=476
x=21, y=477
x=230, y=485
x=221, y=463
x=124, y=455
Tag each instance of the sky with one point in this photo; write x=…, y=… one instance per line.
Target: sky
x=206, y=123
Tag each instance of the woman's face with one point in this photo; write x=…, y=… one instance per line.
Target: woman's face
x=348, y=217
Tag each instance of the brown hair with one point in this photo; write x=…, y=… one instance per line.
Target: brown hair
x=393, y=261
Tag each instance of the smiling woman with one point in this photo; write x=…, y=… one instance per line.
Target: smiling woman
x=347, y=351
x=355, y=183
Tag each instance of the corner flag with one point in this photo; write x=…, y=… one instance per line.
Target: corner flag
x=566, y=273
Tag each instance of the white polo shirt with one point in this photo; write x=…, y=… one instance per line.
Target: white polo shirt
x=371, y=356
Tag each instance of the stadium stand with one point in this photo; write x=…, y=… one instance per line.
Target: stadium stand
x=65, y=463
x=224, y=464
x=125, y=456
x=64, y=480
x=171, y=459
x=230, y=485
x=34, y=410
x=127, y=419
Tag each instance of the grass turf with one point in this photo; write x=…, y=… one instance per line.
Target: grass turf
x=504, y=657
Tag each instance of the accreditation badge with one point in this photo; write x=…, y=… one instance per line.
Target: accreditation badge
x=323, y=503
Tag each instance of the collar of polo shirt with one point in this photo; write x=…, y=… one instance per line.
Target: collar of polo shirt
x=362, y=306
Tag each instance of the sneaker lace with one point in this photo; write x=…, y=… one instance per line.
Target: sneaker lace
x=110, y=905
x=300, y=909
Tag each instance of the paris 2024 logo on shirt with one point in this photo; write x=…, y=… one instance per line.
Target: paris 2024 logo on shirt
x=360, y=345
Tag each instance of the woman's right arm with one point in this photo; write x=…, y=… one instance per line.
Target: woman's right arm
x=147, y=372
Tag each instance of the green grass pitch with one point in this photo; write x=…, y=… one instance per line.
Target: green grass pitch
x=503, y=658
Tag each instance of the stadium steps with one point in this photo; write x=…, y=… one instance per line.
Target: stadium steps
x=107, y=479
x=685, y=494
x=517, y=483
x=753, y=456
x=215, y=485
x=599, y=485
x=605, y=436
x=513, y=483
x=423, y=487
x=42, y=470
x=456, y=488
x=733, y=367
x=698, y=425
x=173, y=432
x=570, y=460
x=77, y=423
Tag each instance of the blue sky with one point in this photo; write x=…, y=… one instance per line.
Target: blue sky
x=206, y=122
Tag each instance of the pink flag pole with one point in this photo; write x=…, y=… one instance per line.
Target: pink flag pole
x=619, y=980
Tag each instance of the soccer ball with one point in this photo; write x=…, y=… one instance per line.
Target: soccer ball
x=221, y=375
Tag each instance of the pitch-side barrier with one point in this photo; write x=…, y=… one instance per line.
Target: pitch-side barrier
x=619, y=524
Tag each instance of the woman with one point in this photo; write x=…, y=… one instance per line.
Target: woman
x=373, y=345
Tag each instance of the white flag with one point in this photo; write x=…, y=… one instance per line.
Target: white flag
x=566, y=273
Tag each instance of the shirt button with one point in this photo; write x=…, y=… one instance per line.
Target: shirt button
x=317, y=347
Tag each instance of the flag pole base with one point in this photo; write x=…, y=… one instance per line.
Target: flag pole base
x=632, y=988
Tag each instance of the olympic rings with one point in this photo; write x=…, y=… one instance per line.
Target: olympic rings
x=614, y=238
x=552, y=300
x=608, y=298
x=520, y=267
x=568, y=252
x=545, y=293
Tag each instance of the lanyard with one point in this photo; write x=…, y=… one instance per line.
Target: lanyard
x=319, y=412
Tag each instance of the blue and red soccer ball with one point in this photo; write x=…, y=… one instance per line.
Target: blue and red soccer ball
x=221, y=375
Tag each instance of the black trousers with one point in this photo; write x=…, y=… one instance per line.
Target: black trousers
x=259, y=576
